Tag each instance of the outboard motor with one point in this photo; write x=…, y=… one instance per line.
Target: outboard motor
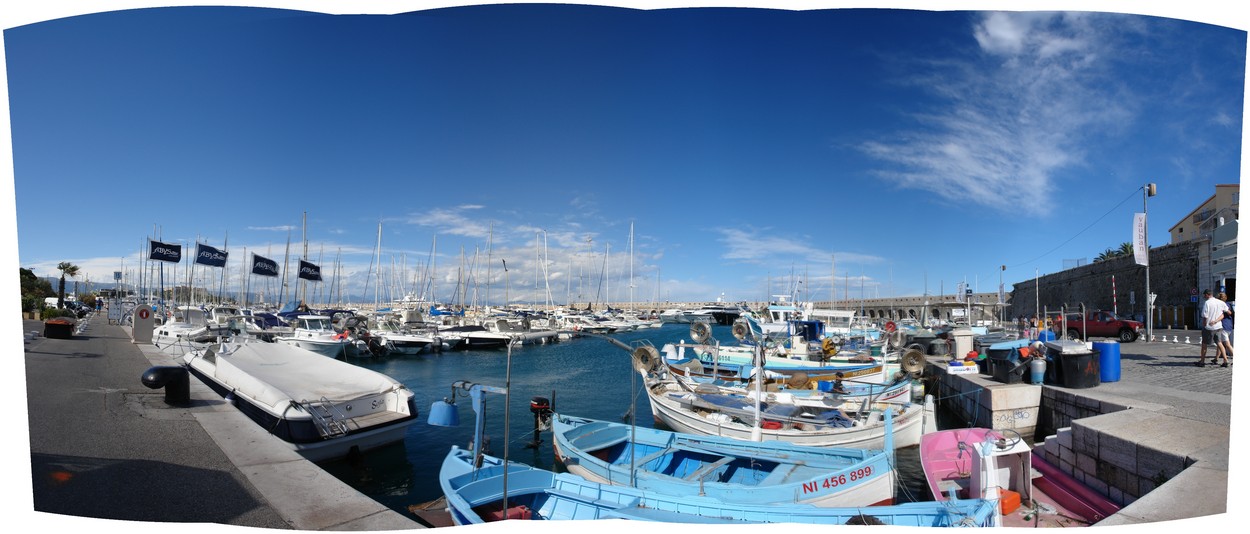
x=174, y=379
x=541, y=408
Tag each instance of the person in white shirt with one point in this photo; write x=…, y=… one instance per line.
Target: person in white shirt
x=1212, y=317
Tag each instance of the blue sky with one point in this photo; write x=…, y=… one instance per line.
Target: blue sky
x=916, y=149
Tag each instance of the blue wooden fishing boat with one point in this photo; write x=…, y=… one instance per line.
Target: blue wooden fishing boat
x=728, y=469
x=494, y=491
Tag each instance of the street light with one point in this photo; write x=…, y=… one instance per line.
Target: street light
x=1147, y=191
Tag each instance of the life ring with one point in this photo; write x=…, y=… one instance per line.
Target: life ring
x=890, y=326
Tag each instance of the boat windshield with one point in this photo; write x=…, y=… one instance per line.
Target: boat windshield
x=316, y=323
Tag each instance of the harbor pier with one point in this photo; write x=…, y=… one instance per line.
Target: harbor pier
x=1155, y=441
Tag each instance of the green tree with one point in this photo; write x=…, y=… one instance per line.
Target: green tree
x=34, y=290
x=67, y=269
x=1125, y=249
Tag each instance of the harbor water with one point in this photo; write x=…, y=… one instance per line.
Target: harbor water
x=586, y=377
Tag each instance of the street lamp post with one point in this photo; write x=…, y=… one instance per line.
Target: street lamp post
x=1148, y=191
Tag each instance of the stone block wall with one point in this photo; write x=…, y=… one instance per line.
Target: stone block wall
x=1173, y=276
x=1006, y=406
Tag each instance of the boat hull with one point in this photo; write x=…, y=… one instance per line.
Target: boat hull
x=381, y=409
x=675, y=410
x=476, y=496
x=729, y=470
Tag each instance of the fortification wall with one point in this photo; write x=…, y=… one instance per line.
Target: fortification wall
x=1173, y=277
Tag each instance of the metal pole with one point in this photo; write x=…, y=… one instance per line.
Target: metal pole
x=1148, y=191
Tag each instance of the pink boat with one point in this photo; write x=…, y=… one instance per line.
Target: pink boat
x=976, y=462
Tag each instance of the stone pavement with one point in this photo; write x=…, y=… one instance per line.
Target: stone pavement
x=1178, y=411
x=104, y=446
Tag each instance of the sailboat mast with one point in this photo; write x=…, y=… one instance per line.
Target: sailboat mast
x=631, y=265
x=490, y=237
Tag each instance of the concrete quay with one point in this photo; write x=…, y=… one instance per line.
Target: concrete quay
x=1156, y=441
x=104, y=446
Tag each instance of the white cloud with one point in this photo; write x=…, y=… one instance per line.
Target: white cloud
x=1010, y=118
x=452, y=221
x=751, y=245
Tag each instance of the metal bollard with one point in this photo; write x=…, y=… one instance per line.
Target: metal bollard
x=174, y=379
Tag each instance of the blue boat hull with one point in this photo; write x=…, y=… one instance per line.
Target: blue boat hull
x=478, y=496
x=728, y=469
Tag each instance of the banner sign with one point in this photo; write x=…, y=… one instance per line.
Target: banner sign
x=1141, y=253
x=309, y=271
x=165, y=252
x=264, y=266
x=206, y=255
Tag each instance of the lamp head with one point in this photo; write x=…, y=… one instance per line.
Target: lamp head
x=443, y=413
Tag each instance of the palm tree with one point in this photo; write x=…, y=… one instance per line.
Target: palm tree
x=1125, y=249
x=67, y=269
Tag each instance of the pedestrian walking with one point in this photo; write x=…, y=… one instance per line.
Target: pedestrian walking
x=1212, y=324
x=1226, y=328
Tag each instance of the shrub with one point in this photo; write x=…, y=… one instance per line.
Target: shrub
x=53, y=313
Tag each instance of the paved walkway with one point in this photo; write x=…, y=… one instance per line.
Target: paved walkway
x=104, y=446
x=1160, y=378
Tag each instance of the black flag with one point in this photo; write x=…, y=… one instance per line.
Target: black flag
x=309, y=271
x=165, y=252
x=264, y=266
x=206, y=255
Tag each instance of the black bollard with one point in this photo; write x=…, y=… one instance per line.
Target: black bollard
x=174, y=379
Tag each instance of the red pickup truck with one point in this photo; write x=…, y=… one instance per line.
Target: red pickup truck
x=1101, y=324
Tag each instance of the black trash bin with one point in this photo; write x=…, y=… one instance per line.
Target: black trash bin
x=1007, y=371
x=1071, y=364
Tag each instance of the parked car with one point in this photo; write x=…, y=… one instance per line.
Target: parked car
x=1100, y=323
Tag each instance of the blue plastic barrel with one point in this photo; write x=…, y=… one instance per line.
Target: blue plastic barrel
x=1108, y=360
x=1045, y=335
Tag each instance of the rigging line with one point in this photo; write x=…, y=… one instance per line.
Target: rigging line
x=1074, y=236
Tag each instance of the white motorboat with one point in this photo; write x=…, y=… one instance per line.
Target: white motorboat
x=322, y=408
x=186, y=329
x=313, y=332
x=398, y=339
x=474, y=337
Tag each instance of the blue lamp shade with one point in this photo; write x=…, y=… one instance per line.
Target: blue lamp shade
x=443, y=413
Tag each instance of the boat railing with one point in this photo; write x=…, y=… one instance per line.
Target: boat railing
x=330, y=421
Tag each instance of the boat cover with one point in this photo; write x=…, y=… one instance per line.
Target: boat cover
x=276, y=374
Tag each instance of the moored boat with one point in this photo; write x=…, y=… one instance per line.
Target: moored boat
x=727, y=469
x=998, y=465
x=496, y=491
x=321, y=407
x=313, y=333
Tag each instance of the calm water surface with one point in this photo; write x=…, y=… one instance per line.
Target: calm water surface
x=586, y=377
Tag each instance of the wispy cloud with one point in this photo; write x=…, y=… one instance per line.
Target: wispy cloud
x=282, y=228
x=1007, y=119
x=758, y=246
x=453, y=221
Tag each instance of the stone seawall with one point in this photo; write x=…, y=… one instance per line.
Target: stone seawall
x=1173, y=277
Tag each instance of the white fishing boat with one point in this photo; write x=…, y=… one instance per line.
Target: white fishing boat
x=716, y=414
x=322, y=408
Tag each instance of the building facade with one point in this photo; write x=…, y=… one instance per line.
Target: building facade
x=1212, y=227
